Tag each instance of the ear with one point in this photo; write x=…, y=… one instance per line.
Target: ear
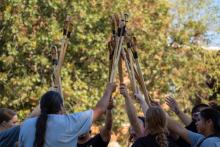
x=209, y=122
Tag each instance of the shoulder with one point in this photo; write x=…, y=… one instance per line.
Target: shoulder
x=81, y=116
x=10, y=132
x=211, y=142
x=195, y=137
x=9, y=136
x=29, y=122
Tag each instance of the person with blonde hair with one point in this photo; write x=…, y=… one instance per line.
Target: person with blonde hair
x=156, y=124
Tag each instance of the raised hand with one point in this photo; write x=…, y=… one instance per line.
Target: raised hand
x=171, y=102
x=111, y=87
x=139, y=97
x=123, y=90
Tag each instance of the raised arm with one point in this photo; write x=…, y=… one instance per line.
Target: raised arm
x=102, y=105
x=106, y=130
x=175, y=108
x=142, y=102
x=178, y=129
x=131, y=112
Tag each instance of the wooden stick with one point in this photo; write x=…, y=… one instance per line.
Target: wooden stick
x=115, y=53
x=121, y=34
x=66, y=35
x=128, y=68
x=55, y=78
x=133, y=82
x=120, y=71
x=140, y=75
x=110, y=47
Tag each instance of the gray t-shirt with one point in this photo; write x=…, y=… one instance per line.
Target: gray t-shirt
x=62, y=130
x=196, y=138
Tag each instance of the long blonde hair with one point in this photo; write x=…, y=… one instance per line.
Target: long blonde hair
x=156, y=123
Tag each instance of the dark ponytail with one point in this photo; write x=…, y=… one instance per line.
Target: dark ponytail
x=51, y=103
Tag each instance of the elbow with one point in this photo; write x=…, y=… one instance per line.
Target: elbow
x=98, y=112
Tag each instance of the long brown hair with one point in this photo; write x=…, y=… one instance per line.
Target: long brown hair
x=156, y=123
x=6, y=114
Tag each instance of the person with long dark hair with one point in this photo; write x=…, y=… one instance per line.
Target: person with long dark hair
x=208, y=126
x=190, y=123
x=54, y=129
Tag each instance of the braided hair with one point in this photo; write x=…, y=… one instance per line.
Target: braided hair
x=156, y=123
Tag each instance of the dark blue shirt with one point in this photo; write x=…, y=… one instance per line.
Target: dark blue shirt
x=9, y=137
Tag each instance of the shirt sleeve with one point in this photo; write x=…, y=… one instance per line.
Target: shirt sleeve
x=84, y=121
x=195, y=138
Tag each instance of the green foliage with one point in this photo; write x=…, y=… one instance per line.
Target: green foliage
x=29, y=28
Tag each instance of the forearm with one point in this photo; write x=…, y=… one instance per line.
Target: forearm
x=132, y=116
x=144, y=106
x=178, y=129
x=108, y=120
x=184, y=118
x=106, y=131
x=102, y=105
x=104, y=101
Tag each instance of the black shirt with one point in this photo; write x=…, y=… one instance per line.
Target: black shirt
x=96, y=141
x=9, y=137
x=150, y=141
x=192, y=127
x=181, y=142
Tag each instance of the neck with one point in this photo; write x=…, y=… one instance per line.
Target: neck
x=209, y=132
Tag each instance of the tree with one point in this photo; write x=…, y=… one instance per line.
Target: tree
x=29, y=28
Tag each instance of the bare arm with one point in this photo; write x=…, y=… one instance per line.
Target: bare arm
x=175, y=108
x=106, y=131
x=178, y=129
x=142, y=102
x=131, y=112
x=102, y=105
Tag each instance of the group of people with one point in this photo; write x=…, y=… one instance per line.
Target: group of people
x=50, y=126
